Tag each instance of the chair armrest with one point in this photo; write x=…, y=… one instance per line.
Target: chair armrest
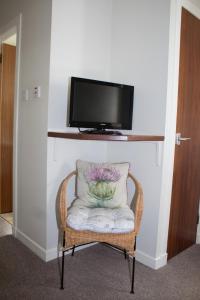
x=63, y=199
x=137, y=204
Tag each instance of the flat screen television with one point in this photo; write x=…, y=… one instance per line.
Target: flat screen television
x=100, y=105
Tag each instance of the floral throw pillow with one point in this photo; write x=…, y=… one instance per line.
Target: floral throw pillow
x=102, y=185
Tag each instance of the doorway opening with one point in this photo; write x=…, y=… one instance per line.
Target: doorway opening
x=7, y=97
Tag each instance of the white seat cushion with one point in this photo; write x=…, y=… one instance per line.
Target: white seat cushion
x=113, y=220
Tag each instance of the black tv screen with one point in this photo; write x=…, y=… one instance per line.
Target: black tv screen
x=101, y=105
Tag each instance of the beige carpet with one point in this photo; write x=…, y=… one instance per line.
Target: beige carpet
x=95, y=273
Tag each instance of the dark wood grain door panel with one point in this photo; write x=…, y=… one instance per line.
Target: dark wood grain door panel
x=186, y=177
x=6, y=127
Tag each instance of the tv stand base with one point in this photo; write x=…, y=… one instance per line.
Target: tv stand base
x=101, y=131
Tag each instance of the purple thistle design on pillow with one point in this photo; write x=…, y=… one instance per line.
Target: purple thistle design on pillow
x=102, y=174
x=102, y=183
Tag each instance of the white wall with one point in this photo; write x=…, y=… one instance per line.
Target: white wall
x=195, y=2
x=121, y=41
x=80, y=46
x=139, y=56
x=32, y=134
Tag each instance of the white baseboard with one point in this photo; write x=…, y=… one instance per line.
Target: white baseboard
x=53, y=253
x=198, y=233
x=45, y=255
x=152, y=262
x=198, y=238
x=145, y=259
x=35, y=247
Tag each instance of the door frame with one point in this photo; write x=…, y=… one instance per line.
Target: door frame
x=14, y=27
x=171, y=115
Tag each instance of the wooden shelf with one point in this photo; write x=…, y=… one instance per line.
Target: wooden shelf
x=105, y=137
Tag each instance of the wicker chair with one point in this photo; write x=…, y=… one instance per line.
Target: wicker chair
x=126, y=242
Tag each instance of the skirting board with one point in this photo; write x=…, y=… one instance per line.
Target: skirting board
x=198, y=239
x=53, y=253
x=198, y=232
x=35, y=247
x=45, y=255
x=152, y=262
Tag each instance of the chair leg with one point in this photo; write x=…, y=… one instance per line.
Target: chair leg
x=62, y=273
x=125, y=254
x=133, y=276
x=133, y=270
x=73, y=250
x=63, y=265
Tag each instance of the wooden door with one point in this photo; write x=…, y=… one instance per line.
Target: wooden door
x=186, y=177
x=0, y=116
x=6, y=127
